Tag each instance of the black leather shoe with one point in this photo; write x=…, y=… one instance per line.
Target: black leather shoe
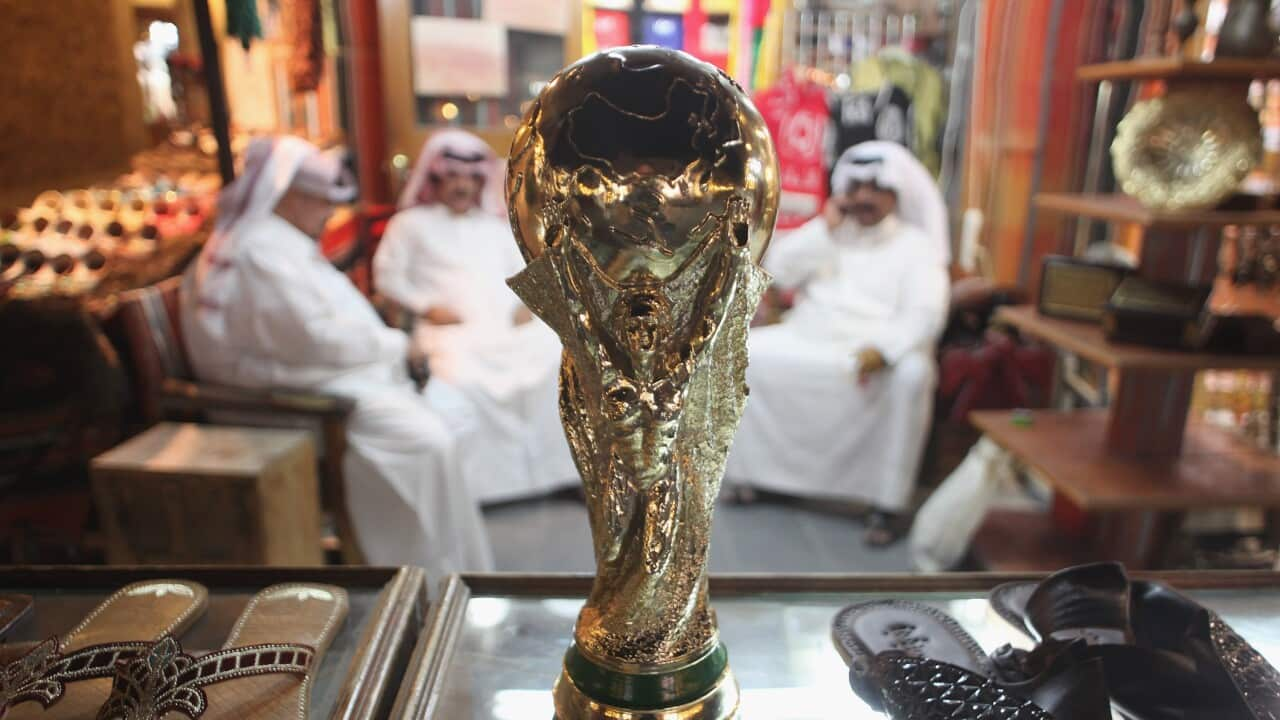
x=1166, y=657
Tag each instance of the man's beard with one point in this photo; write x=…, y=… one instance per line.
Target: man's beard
x=850, y=229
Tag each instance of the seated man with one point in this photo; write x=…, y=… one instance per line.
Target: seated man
x=445, y=258
x=842, y=389
x=263, y=308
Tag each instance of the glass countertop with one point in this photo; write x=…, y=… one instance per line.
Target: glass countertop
x=508, y=651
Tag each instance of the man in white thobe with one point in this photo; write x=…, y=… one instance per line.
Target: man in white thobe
x=445, y=258
x=263, y=308
x=842, y=389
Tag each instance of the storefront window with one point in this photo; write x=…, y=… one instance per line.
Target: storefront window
x=478, y=63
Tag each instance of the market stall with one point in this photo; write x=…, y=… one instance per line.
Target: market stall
x=778, y=630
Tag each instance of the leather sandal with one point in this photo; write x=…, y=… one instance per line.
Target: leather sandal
x=912, y=661
x=73, y=672
x=263, y=672
x=1166, y=657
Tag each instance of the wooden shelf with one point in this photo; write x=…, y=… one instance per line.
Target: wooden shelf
x=1017, y=542
x=1068, y=448
x=1086, y=340
x=1177, y=68
x=1124, y=209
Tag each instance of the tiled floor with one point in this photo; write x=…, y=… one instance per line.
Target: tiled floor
x=770, y=535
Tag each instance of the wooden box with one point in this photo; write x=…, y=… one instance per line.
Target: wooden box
x=209, y=494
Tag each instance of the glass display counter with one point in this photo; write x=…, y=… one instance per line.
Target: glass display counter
x=359, y=675
x=494, y=643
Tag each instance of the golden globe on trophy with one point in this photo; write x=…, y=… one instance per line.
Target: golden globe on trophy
x=642, y=189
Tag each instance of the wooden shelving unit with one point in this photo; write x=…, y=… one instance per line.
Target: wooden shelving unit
x=1214, y=469
x=1087, y=341
x=1127, y=474
x=1177, y=68
x=1124, y=209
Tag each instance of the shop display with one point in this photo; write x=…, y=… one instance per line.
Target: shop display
x=914, y=662
x=1184, y=24
x=1188, y=149
x=83, y=232
x=285, y=630
x=65, y=244
x=306, y=38
x=797, y=115
x=73, y=670
x=1157, y=314
x=1077, y=288
x=703, y=28
x=643, y=190
x=493, y=640
x=294, y=642
x=1246, y=30
x=893, y=96
x=1163, y=654
x=1257, y=256
x=1101, y=639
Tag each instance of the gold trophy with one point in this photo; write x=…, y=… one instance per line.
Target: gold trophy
x=643, y=190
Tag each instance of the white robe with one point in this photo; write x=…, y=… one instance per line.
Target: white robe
x=809, y=427
x=274, y=313
x=506, y=372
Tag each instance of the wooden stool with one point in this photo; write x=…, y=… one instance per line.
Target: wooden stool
x=185, y=493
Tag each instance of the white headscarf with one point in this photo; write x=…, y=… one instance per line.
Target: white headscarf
x=272, y=165
x=893, y=167
x=460, y=152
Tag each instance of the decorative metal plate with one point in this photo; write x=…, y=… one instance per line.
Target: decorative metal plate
x=1188, y=149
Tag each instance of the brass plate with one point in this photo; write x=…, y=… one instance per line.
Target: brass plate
x=1188, y=149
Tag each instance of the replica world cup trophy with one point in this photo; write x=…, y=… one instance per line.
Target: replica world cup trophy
x=642, y=189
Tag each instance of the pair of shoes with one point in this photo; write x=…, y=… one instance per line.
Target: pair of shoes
x=1102, y=640
x=1164, y=655
x=98, y=671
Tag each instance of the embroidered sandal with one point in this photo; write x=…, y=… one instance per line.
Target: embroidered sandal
x=914, y=662
x=73, y=672
x=263, y=671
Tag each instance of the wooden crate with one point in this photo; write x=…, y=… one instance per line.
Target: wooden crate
x=210, y=494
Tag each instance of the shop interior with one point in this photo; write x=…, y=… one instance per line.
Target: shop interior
x=996, y=331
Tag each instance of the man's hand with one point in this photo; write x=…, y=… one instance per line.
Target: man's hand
x=417, y=356
x=440, y=315
x=833, y=213
x=522, y=316
x=416, y=363
x=870, y=362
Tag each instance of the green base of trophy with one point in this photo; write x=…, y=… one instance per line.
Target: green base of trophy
x=703, y=689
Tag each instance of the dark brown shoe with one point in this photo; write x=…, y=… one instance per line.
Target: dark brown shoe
x=1166, y=657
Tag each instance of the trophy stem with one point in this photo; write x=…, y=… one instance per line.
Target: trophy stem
x=703, y=689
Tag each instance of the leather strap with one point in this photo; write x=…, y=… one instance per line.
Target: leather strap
x=42, y=673
x=165, y=679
